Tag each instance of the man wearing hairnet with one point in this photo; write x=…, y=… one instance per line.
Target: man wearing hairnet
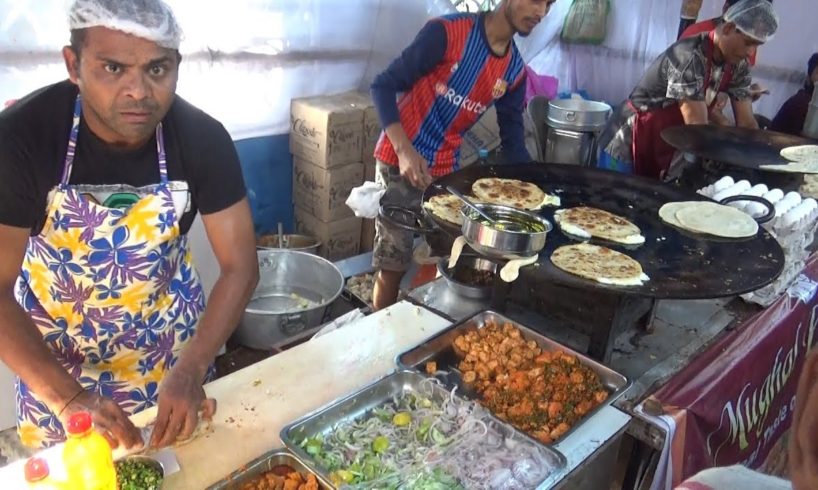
x=682, y=85
x=101, y=177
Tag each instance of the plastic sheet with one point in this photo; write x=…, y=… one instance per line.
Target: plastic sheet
x=244, y=60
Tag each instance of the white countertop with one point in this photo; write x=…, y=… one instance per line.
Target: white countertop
x=256, y=402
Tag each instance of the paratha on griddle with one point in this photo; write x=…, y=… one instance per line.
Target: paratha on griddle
x=586, y=222
x=599, y=264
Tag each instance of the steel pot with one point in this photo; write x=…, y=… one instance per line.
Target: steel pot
x=492, y=241
x=463, y=289
x=294, y=292
x=301, y=243
x=579, y=115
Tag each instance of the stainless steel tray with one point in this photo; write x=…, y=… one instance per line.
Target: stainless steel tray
x=382, y=391
x=439, y=349
x=264, y=464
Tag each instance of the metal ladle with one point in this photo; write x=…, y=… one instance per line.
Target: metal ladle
x=281, y=243
x=468, y=203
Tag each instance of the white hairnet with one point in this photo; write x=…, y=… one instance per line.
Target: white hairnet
x=148, y=19
x=755, y=18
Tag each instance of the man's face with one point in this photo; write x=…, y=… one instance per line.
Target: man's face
x=524, y=15
x=814, y=76
x=735, y=45
x=127, y=84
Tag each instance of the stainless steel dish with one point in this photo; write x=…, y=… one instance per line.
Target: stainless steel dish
x=513, y=241
x=263, y=464
x=147, y=461
x=439, y=349
x=461, y=288
x=294, y=291
x=379, y=393
x=576, y=114
x=301, y=243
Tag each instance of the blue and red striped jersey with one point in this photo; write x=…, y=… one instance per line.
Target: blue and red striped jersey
x=449, y=77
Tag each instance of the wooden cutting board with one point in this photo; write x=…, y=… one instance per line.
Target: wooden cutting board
x=256, y=402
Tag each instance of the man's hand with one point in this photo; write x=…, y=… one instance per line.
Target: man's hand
x=108, y=418
x=414, y=168
x=181, y=397
x=756, y=91
x=803, y=450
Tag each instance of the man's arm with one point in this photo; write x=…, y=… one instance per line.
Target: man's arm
x=693, y=111
x=417, y=60
x=181, y=395
x=22, y=348
x=24, y=351
x=743, y=109
x=510, y=120
x=741, y=93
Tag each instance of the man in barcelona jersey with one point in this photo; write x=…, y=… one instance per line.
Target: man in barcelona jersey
x=457, y=67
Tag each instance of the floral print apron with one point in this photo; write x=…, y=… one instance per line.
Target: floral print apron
x=111, y=287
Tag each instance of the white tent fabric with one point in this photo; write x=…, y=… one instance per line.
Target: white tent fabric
x=245, y=59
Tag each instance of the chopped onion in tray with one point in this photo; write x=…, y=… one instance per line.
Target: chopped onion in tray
x=422, y=440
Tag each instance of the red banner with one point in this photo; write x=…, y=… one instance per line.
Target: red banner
x=734, y=402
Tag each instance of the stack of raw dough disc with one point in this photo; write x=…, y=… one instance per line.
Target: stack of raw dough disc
x=709, y=218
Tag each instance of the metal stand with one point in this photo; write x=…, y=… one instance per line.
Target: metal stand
x=599, y=315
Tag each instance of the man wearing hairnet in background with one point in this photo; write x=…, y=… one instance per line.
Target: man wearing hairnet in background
x=101, y=176
x=682, y=85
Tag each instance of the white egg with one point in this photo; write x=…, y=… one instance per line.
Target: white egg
x=755, y=209
x=791, y=199
x=774, y=195
x=757, y=190
x=733, y=190
x=723, y=183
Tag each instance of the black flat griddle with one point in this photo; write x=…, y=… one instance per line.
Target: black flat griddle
x=741, y=147
x=680, y=265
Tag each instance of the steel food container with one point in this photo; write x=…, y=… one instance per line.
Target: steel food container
x=146, y=461
x=463, y=289
x=295, y=290
x=380, y=392
x=262, y=465
x=301, y=243
x=578, y=114
x=491, y=241
x=440, y=349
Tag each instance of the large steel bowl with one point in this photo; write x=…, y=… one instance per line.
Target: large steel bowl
x=492, y=241
x=293, y=294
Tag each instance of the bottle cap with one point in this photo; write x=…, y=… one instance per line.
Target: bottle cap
x=36, y=469
x=79, y=423
x=482, y=153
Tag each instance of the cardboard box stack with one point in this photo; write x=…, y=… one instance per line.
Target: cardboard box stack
x=326, y=140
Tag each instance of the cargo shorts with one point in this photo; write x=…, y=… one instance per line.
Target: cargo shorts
x=393, y=247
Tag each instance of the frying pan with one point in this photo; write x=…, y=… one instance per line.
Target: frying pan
x=680, y=265
x=740, y=147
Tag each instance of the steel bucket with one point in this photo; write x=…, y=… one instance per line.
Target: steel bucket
x=578, y=115
x=294, y=292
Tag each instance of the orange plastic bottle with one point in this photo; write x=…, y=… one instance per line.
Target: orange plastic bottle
x=38, y=476
x=87, y=456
